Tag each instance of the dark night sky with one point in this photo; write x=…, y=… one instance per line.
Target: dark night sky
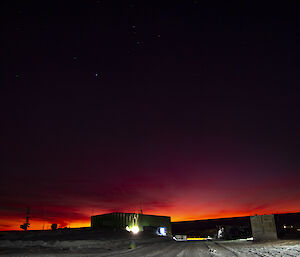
x=186, y=108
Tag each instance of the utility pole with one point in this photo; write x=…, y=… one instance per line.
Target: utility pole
x=44, y=217
x=141, y=209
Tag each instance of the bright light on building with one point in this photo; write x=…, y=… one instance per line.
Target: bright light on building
x=162, y=231
x=135, y=229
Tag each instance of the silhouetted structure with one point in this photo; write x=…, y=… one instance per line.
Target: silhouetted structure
x=237, y=227
x=287, y=226
x=54, y=227
x=26, y=225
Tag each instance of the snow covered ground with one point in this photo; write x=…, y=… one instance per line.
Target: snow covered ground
x=121, y=243
x=149, y=247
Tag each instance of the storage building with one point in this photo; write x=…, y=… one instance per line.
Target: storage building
x=133, y=221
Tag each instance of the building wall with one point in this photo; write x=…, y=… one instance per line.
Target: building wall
x=156, y=221
x=263, y=227
x=204, y=228
x=115, y=220
x=288, y=225
x=121, y=220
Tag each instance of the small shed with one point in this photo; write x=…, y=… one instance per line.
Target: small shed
x=263, y=227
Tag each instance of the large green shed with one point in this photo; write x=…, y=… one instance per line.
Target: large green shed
x=121, y=220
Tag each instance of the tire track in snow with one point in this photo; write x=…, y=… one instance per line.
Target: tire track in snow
x=195, y=249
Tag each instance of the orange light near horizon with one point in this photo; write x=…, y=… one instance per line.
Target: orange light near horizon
x=80, y=224
x=40, y=225
x=180, y=214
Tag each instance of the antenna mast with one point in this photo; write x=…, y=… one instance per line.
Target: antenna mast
x=26, y=225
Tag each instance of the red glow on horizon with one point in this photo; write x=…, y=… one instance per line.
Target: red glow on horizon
x=185, y=189
x=36, y=224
